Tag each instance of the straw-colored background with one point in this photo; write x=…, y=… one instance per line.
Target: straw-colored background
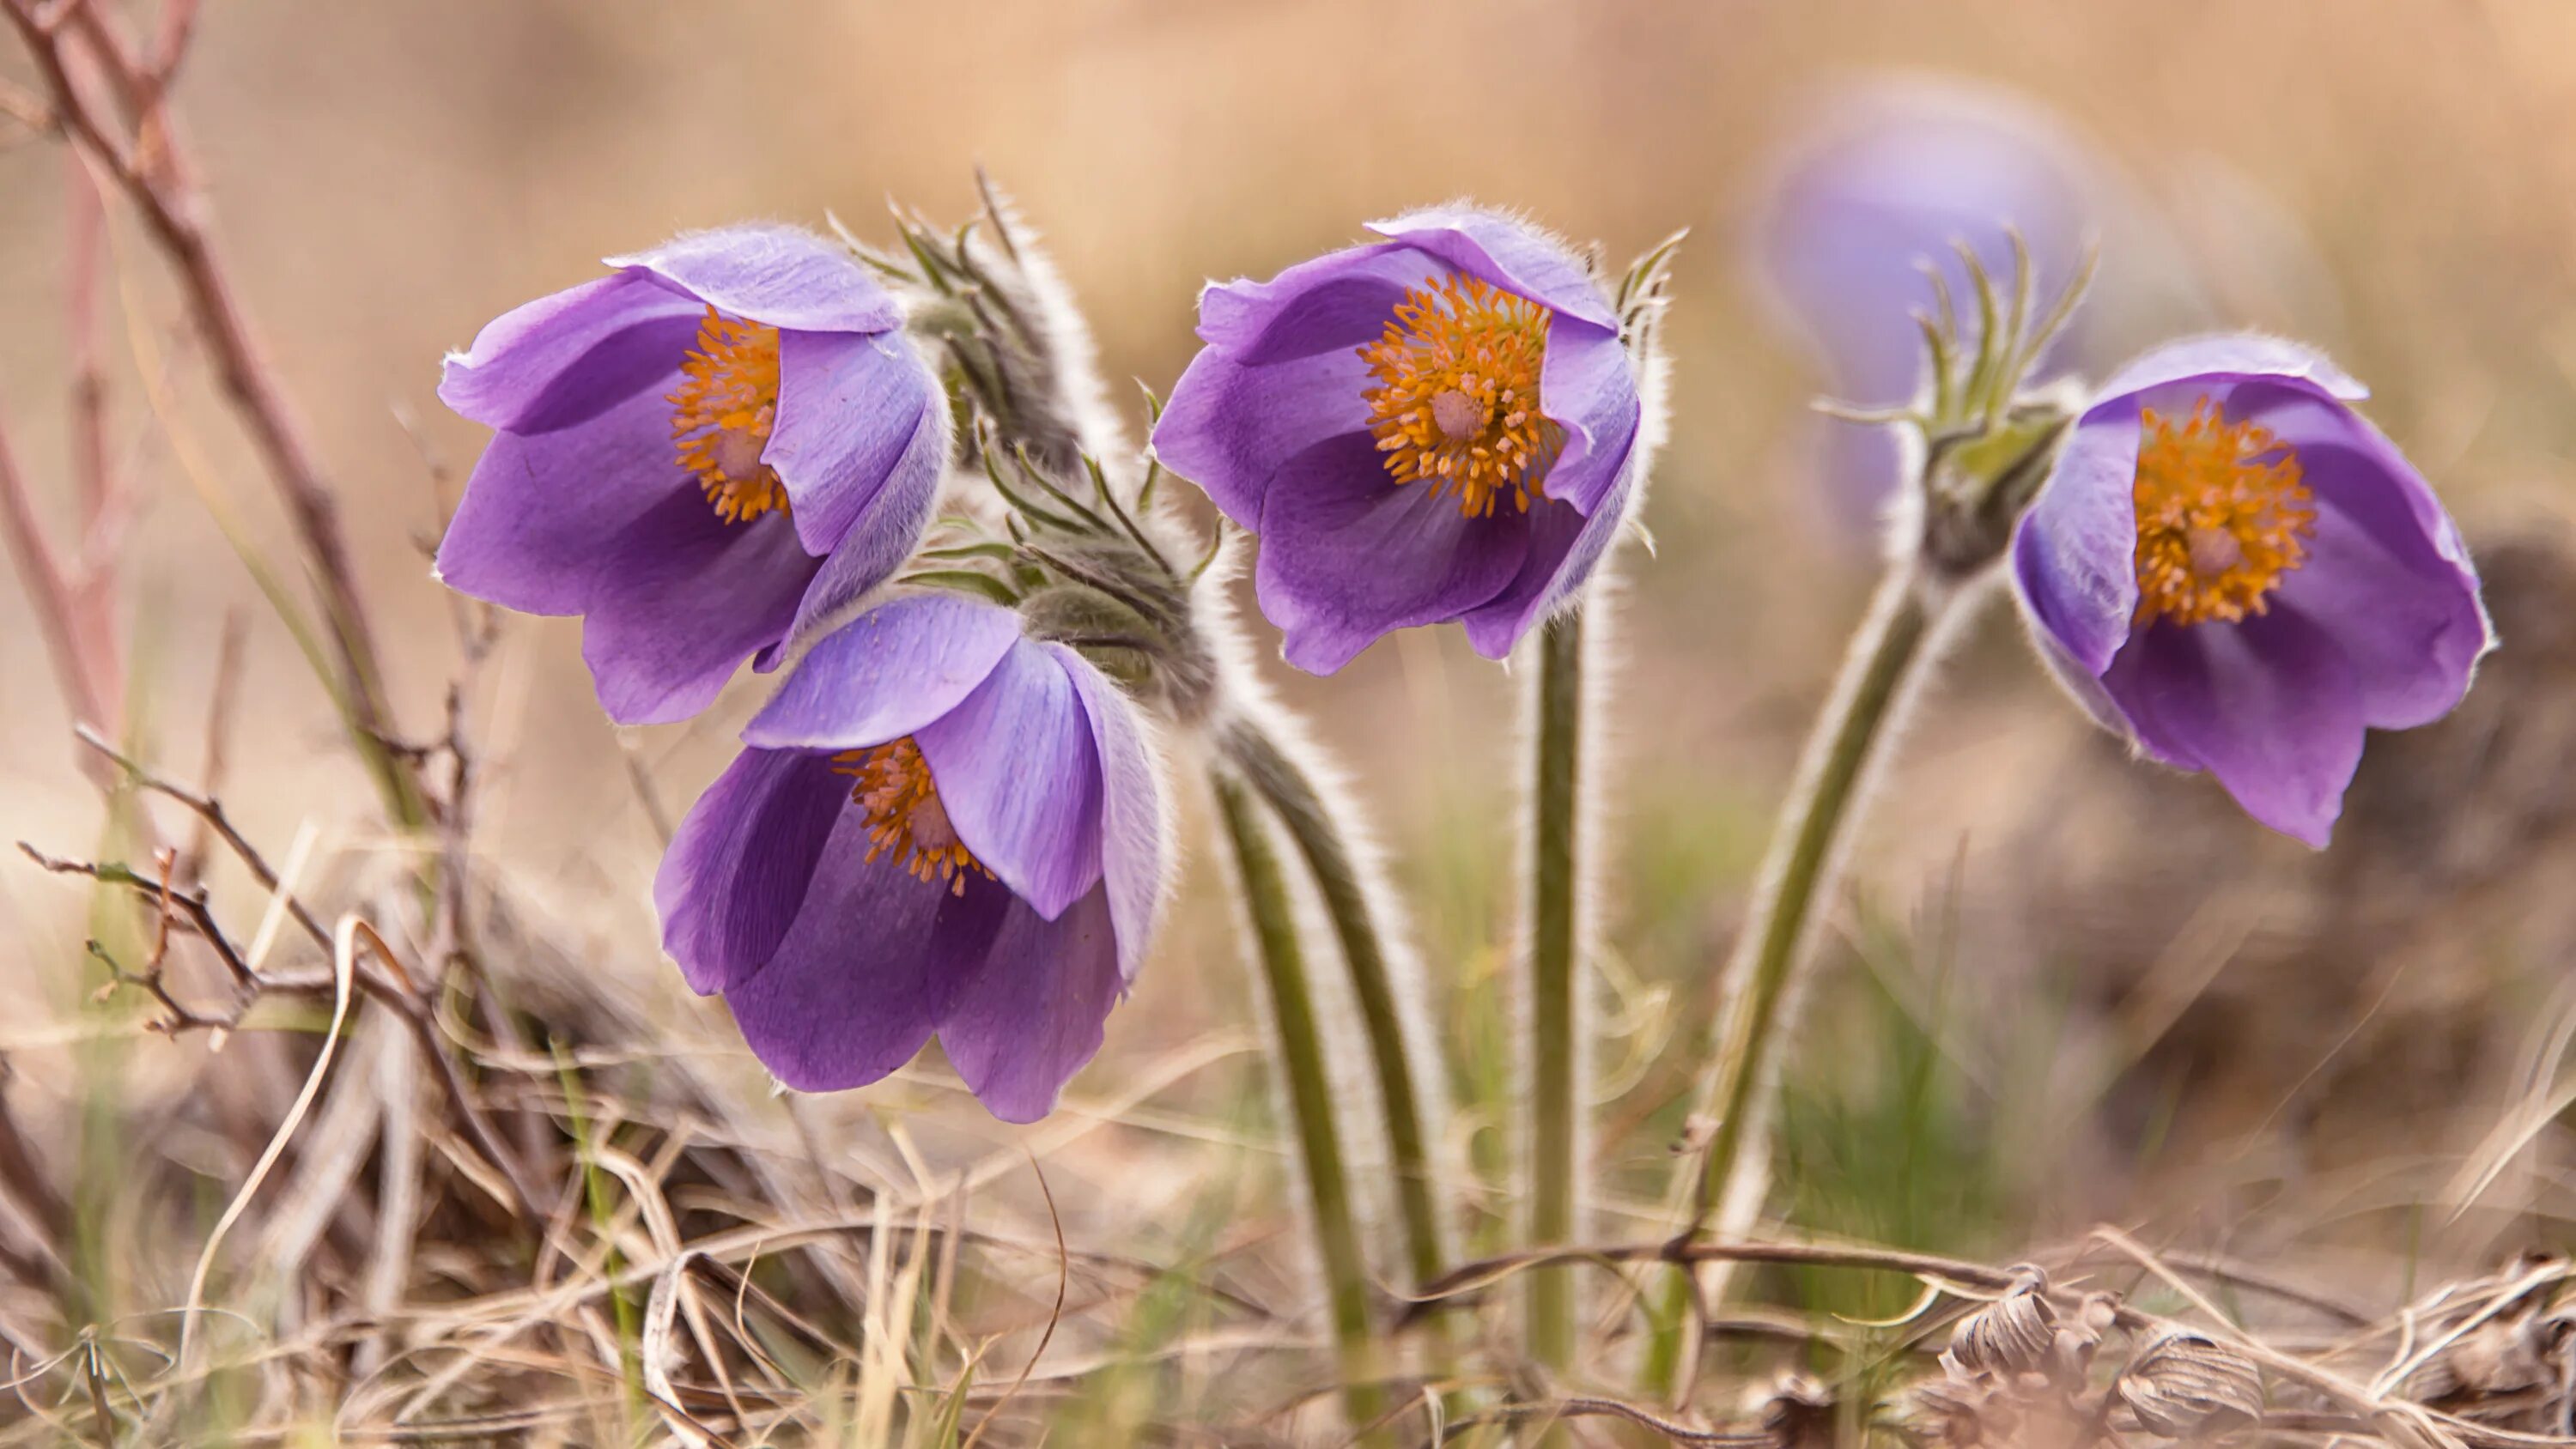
x=2396, y=182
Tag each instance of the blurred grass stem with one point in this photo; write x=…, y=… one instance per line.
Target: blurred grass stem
x=1281, y=955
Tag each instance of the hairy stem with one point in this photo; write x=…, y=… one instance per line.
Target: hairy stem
x=1320, y=840
x=1310, y=1099
x=1555, y=999
x=1799, y=871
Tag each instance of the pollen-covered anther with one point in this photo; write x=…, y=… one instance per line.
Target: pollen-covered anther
x=905, y=818
x=2223, y=516
x=722, y=414
x=1455, y=399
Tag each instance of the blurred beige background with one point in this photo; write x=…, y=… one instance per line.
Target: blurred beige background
x=2396, y=182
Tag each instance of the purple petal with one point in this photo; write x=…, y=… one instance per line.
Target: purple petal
x=2083, y=687
x=1020, y=778
x=1338, y=302
x=1508, y=253
x=539, y=512
x=886, y=673
x=682, y=598
x=1890, y=171
x=2075, y=552
x=858, y=415
x=2266, y=705
x=566, y=358
x=1131, y=814
x=870, y=553
x=2231, y=357
x=2387, y=576
x=868, y=969
x=1347, y=556
x=781, y=276
x=737, y=870
x=1229, y=428
x=1022, y=1025
x=1589, y=384
x=1564, y=547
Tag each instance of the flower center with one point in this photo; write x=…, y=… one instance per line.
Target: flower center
x=1455, y=399
x=905, y=818
x=2222, y=517
x=722, y=413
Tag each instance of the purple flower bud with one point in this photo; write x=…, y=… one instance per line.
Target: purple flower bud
x=701, y=455
x=2232, y=568
x=939, y=826
x=1441, y=425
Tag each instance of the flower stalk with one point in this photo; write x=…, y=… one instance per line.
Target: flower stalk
x=1986, y=448
x=1320, y=841
x=1300, y=1051
x=1555, y=999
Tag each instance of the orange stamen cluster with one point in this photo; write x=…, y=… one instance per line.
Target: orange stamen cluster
x=1456, y=394
x=2222, y=517
x=722, y=413
x=905, y=818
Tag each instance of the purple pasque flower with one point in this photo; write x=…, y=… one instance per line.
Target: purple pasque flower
x=1439, y=425
x=701, y=454
x=2232, y=568
x=939, y=825
x=1890, y=176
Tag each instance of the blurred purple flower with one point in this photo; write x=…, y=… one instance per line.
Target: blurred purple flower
x=1441, y=425
x=2233, y=569
x=938, y=826
x=702, y=454
x=1893, y=172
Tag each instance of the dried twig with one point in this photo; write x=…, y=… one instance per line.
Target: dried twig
x=142, y=153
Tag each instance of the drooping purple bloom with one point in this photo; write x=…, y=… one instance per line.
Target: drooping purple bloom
x=701, y=454
x=938, y=826
x=2232, y=568
x=1888, y=176
x=1440, y=425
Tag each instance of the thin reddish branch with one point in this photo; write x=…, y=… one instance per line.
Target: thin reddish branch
x=142, y=150
x=50, y=599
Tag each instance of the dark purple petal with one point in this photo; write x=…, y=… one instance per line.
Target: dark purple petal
x=539, y=512
x=566, y=358
x=2267, y=705
x=1020, y=778
x=2231, y=357
x=1131, y=808
x=1347, y=556
x=886, y=673
x=1509, y=253
x=781, y=276
x=1564, y=547
x=1229, y=428
x=858, y=415
x=737, y=870
x=1023, y=1024
x=2075, y=552
x=1339, y=302
x=1589, y=385
x=681, y=599
x=868, y=969
x=2387, y=575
